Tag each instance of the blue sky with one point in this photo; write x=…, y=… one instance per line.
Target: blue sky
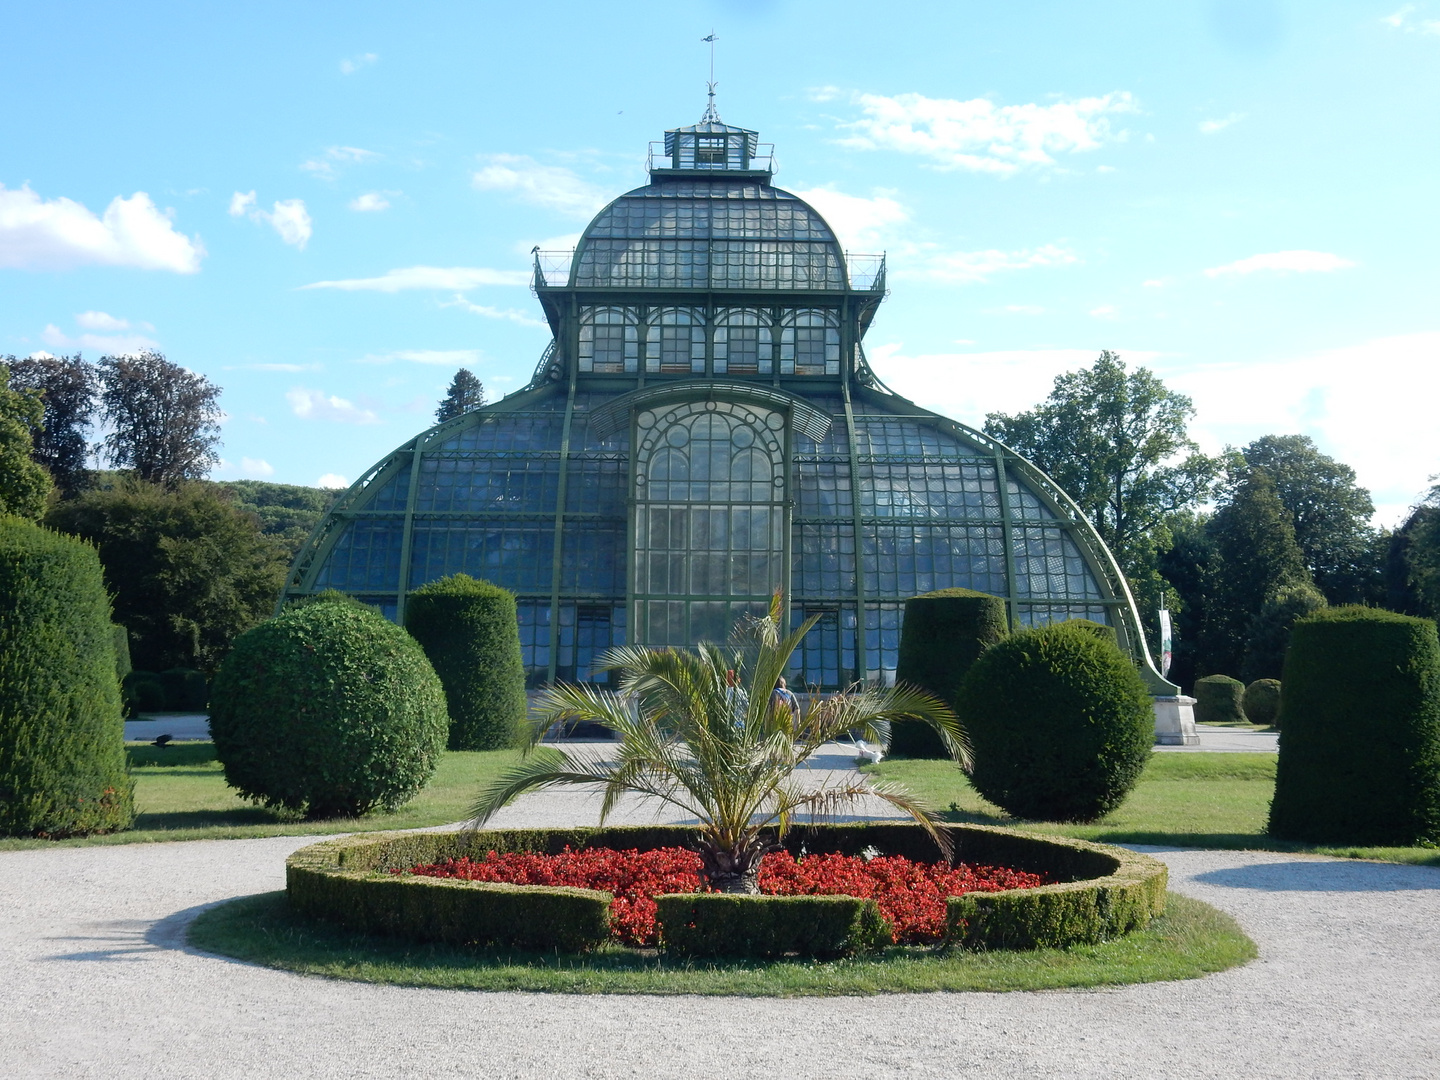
x=327, y=208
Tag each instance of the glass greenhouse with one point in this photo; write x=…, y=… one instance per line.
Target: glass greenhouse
x=704, y=429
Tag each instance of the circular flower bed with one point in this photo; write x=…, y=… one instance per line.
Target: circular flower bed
x=911, y=895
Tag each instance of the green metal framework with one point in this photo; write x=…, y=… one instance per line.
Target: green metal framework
x=704, y=428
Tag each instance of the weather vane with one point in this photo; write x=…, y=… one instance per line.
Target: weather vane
x=710, y=113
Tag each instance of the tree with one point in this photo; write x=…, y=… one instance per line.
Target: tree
x=466, y=394
x=288, y=513
x=189, y=571
x=702, y=731
x=1330, y=512
x=1116, y=442
x=165, y=420
x=66, y=385
x=1413, y=567
x=1254, y=556
x=24, y=485
x=1185, y=565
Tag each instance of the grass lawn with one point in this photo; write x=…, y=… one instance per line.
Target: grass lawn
x=1192, y=939
x=1182, y=800
x=180, y=794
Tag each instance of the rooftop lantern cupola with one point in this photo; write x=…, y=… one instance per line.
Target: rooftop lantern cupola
x=713, y=146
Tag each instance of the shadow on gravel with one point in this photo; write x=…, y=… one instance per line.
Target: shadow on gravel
x=135, y=939
x=1325, y=877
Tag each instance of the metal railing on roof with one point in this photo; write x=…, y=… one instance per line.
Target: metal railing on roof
x=763, y=159
x=552, y=270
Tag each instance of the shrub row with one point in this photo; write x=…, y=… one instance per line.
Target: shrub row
x=176, y=690
x=1100, y=892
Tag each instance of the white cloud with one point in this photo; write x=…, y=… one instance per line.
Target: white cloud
x=448, y=278
x=549, y=186
x=328, y=165
x=823, y=93
x=1299, y=262
x=115, y=344
x=100, y=320
x=289, y=218
x=1401, y=20
x=1105, y=311
x=248, y=469
x=980, y=136
x=57, y=234
x=968, y=385
x=1154, y=283
x=968, y=267
x=1210, y=127
x=291, y=368
x=370, y=202
x=439, y=357
x=332, y=480
x=857, y=221
x=509, y=314
x=1343, y=398
x=352, y=64
x=317, y=405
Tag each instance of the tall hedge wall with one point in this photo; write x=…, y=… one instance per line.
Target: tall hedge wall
x=469, y=631
x=943, y=634
x=62, y=738
x=1360, y=716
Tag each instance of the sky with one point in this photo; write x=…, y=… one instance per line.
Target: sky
x=327, y=208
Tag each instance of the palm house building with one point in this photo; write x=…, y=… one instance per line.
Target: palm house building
x=703, y=430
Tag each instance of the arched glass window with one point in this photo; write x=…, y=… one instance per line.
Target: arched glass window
x=810, y=343
x=709, y=518
x=743, y=344
x=609, y=340
x=675, y=342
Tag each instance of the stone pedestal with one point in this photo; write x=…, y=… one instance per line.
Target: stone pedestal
x=1175, y=721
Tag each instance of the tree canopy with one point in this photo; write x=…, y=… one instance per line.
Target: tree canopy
x=66, y=385
x=164, y=420
x=466, y=393
x=1116, y=442
x=1330, y=512
x=189, y=571
x=24, y=485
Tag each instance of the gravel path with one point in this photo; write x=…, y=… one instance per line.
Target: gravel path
x=95, y=981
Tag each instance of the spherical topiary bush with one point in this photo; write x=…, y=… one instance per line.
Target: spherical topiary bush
x=328, y=708
x=1360, y=754
x=1262, y=702
x=62, y=738
x=1060, y=724
x=469, y=631
x=1218, y=700
x=941, y=637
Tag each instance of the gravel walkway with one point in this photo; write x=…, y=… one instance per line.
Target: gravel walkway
x=95, y=981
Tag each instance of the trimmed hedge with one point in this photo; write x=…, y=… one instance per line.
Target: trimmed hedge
x=944, y=632
x=328, y=708
x=1219, y=700
x=1262, y=702
x=1100, y=892
x=120, y=637
x=1060, y=722
x=1362, y=674
x=185, y=690
x=723, y=924
x=62, y=736
x=143, y=692
x=468, y=629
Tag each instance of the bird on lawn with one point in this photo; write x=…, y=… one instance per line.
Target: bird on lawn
x=163, y=741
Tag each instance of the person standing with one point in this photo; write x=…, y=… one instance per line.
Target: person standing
x=784, y=699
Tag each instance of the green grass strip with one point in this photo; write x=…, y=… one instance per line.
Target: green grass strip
x=1192, y=939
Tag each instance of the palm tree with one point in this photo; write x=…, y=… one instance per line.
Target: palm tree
x=701, y=731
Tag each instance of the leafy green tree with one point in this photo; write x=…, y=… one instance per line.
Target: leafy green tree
x=1331, y=514
x=66, y=385
x=1185, y=566
x=1413, y=568
x=24, y=485
x=701, y=731
x=287, y=512
x=1269, y=639
x=1116, y=442
x=466, y=394
x=164, y=420
x=189, y=571
x=1254, y=555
